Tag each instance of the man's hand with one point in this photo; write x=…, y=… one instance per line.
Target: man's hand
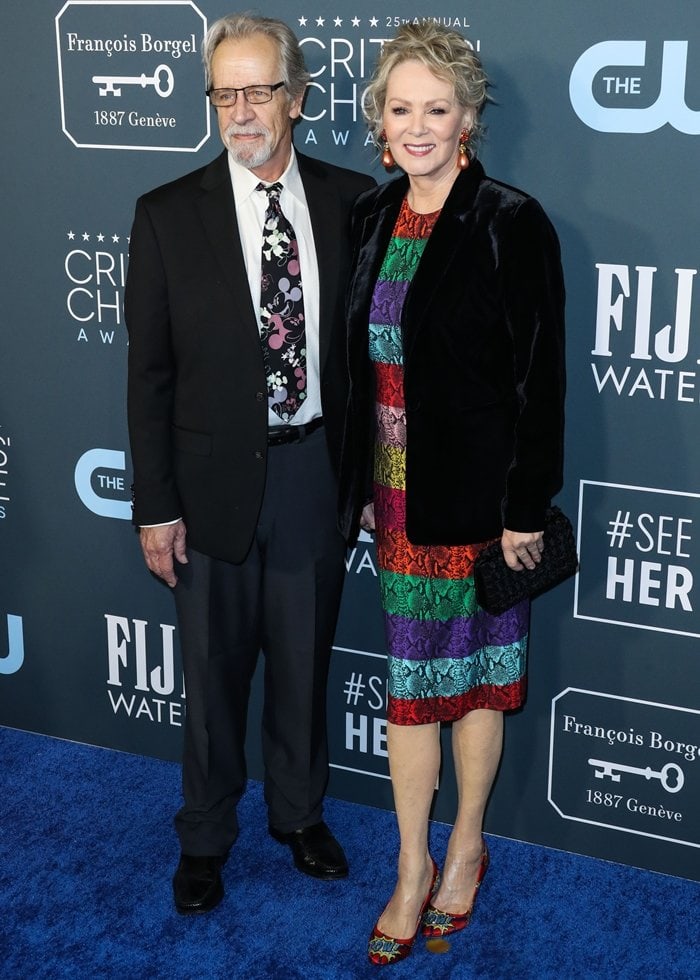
x=522, y=549
x=160, y=544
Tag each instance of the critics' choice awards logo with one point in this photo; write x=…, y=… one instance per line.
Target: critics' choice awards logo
x=100, y=483
x=625, y=764
x=609, y=97
x=637, y=357
x=130, y=74
x=143, y=682
x=340, y=52
x=94, y=267
x=638, y=548
x=5, y=455
x=362, y=557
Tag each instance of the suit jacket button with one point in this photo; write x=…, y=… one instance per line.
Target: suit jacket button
x=259, y=396
x=259, y=454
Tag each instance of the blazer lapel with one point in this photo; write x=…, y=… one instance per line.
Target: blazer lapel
x=444, y=243
x=327, y=224
x=218, y=213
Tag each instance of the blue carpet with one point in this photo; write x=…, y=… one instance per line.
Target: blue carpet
x=87, y=851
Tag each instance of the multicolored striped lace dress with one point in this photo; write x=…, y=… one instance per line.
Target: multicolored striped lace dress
x=447, y=656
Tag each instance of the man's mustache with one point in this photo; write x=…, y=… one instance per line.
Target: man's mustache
x=234, y=130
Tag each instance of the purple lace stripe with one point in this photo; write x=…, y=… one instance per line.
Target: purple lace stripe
x=387, y=302
x=455, y=639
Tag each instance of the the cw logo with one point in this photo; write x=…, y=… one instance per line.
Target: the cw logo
x=87, y=466
x=11, y=663
x=670, y=106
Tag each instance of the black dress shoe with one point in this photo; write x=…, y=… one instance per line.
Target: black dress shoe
x=197, y=885
x=315, y=850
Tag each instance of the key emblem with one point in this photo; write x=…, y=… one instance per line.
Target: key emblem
x=614, y=770
x=162, y=81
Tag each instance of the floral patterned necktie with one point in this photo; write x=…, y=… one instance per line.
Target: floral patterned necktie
x=283, y=333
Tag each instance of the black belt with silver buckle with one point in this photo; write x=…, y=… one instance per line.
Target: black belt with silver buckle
x=279, y=435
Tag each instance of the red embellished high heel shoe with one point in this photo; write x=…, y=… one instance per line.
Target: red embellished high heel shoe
x=438, y=923
x=384, y=949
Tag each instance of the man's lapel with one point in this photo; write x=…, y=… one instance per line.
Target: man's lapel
x=218, y=213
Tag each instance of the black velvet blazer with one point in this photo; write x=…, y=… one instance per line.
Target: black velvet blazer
x=483, y=350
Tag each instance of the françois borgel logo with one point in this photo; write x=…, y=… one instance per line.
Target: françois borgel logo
x=626, y=765
x=620, y=87
x=130, y=74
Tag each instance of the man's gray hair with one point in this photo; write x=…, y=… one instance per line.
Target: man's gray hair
x=239, y=26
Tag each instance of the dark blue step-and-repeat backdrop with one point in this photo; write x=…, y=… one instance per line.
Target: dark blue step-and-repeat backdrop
x=596, y=113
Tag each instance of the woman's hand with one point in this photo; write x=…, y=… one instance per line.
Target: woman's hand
x=367, y=518
x=522, y=549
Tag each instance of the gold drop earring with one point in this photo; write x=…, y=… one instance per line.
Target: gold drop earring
x=387, y=158
x=463, y=156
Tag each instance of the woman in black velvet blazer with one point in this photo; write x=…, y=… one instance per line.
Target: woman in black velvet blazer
x=483, y=362
x=459, y=278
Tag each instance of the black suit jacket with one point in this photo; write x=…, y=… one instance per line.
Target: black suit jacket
x=197, y=402
x=483, y=348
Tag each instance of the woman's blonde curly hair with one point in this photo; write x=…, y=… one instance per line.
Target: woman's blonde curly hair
x=447, y=54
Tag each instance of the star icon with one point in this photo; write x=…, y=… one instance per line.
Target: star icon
x=356, y=22
x=373, y=22
x=115, y=238
x=338, y=22
x=100, y=237
x=86, y=237
x=71, y=236
x=302, y=22
x=320, y=22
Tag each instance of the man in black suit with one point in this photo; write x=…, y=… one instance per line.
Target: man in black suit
x=234, y=487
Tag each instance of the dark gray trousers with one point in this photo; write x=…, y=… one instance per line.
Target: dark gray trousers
x=282, y=599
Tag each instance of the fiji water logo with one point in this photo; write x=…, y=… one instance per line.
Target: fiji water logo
x=145, y=683
x=601, y=75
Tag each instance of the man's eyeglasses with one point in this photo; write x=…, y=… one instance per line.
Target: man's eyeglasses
x=224, y=98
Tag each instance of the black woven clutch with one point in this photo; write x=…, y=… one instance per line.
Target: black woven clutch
x=499, y=587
